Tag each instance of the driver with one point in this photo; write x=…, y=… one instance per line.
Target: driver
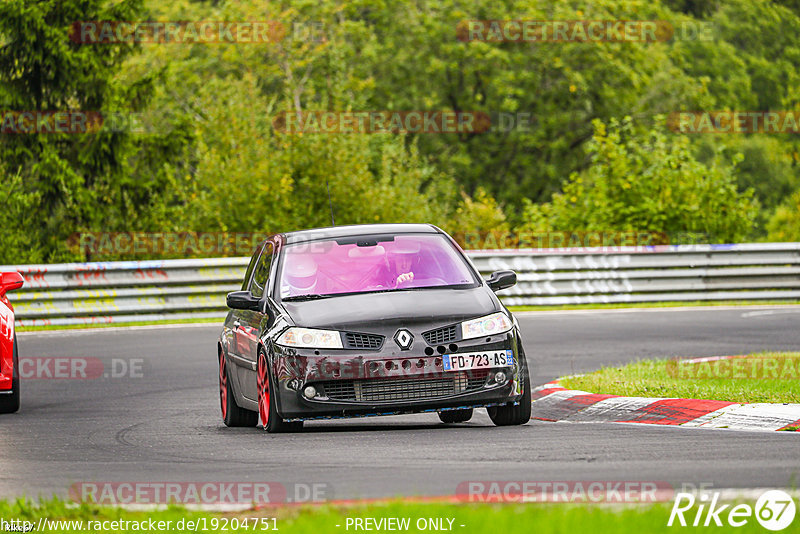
x=402, y=258
x=301, y=276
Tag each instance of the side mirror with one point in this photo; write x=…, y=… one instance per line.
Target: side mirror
x=10, y=282
x=502, y=280
x=243, y=300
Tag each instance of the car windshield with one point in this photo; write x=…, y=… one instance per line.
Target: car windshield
x=371, y=263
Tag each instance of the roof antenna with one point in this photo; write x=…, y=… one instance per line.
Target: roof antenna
x=330, y=203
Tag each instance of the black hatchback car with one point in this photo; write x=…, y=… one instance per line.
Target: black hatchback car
x=354, y=321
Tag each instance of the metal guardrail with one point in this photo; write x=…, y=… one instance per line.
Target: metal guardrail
x=116, y=292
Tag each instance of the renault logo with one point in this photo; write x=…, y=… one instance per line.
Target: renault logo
x=403, y=338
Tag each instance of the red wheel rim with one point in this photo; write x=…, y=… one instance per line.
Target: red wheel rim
x=263, y=390
x=223, y=387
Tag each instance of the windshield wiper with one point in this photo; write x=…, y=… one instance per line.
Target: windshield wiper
x=311, y=296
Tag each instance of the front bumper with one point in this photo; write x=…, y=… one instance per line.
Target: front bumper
x=352, y=383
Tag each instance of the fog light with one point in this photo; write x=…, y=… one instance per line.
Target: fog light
x=500, y=377
x=310, y=392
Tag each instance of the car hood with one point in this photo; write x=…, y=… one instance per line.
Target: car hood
x=408, y=308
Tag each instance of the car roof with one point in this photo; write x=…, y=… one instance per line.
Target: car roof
x=354, y=230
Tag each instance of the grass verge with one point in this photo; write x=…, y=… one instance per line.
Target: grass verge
x=466, y=518
x=760, y=377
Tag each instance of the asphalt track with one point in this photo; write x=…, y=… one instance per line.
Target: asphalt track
x=165, y=426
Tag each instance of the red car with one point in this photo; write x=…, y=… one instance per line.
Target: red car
x=9, y=366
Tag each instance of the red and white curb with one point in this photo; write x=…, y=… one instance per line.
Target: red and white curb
x=553, y=402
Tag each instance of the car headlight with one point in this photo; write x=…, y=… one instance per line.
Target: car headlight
x=496, y=323
x=310, y=338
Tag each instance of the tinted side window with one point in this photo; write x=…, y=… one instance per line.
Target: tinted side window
x=250, y=267
x=262, y=272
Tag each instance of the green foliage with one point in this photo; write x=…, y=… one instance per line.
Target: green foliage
x=480, y=215
x=648, y=183
x=784, y=225
x=17, y=216
x=563, y=86
x=243, y=175
x=277, y=181
x=767, y=167
x=78, y=181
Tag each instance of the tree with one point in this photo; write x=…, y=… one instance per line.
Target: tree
x=279, y=181
x=81, y=180
x=650, y=183
x=784, y=225
x=479, y=222
x=563, y=86
x=18, y=211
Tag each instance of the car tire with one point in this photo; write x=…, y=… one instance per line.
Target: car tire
x=9, y=403
x=232, y=414
x=267, y=409
x=456, y=416
x=511, y=414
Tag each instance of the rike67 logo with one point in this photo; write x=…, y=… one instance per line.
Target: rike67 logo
x=774, y=510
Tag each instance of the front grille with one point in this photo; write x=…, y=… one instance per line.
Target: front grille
x=440, y=335
x=340, y=389
x=354, y=340
x=389, y=389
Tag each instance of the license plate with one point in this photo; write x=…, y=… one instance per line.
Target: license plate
x=477, y=360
